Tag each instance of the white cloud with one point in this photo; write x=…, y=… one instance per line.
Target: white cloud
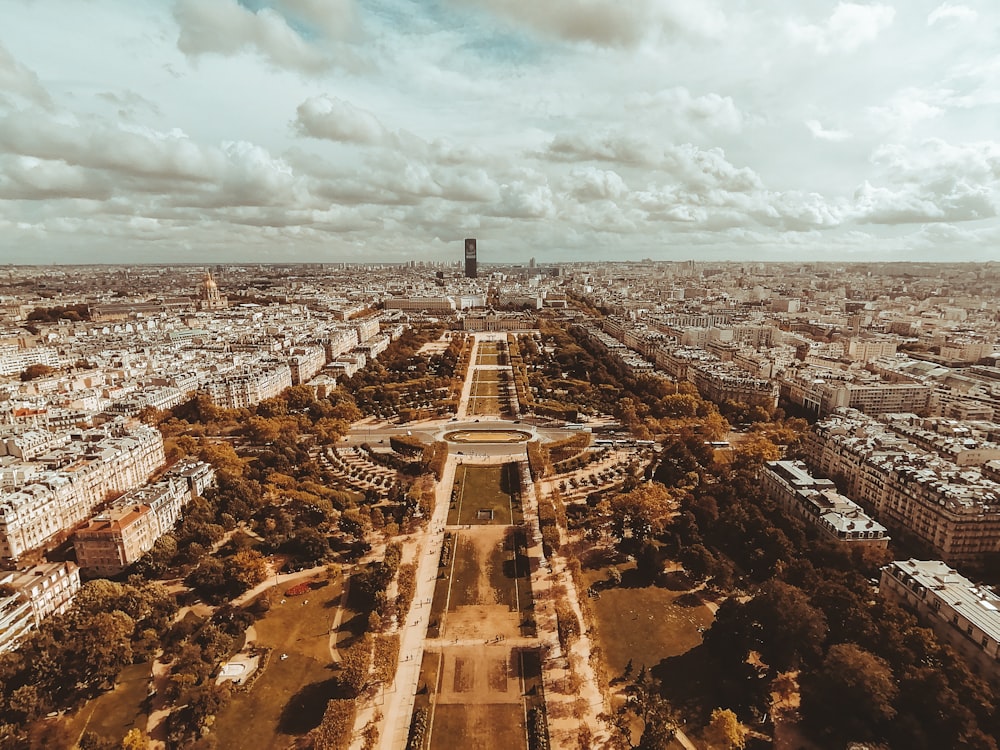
x=591, y=184
x=818, y=131
x=19, y=80
x=27, y=178
x=935, y=159
x=850, y=26
x=934, y=181
x=689, y=114
x=609, y=23
x=912, y=204
x=905, y=110
x=227, y=28
x=337, y=120
x=950, y=13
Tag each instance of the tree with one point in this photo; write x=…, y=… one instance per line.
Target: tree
x=310, y=545
x=647, y=708
x=247, y=568
x=851, y=696
x=641, y=513
x=134, y=739
x=33, y=372
x=790, y=630
x=753, y=451
x=334, y=731
x=726, y=730
x=355, y=664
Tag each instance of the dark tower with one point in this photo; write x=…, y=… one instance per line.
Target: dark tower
x=470, y=258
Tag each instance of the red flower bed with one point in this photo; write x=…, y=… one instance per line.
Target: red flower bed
x=299, y=589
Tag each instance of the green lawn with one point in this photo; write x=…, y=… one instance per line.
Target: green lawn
x=289, y=697
x=644, y=624
x=471, y=726
x=486, y=488
x=114, y=713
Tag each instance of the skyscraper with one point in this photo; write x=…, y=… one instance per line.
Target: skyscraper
x=470, y=258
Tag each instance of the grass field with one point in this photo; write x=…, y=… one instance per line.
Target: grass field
x=485, y=384
x=489, y=725
x=489, y=352
x=114, y=713
x=645, y=623
x=488, y=395
x=476, y=688
x=486, y=495
x=289, y=697
x=494, y=572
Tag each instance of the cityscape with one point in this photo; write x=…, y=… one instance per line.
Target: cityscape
x=653, y=504
x=445, y=374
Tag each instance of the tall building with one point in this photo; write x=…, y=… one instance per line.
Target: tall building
x=470, y=258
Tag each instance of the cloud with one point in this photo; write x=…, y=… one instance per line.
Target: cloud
x=592, y=184
x=949, y=13
x=935, y=159
x=934, y=181
x=906, y=109
x=27, y=178
x=610, y=24
x=335, y=19
x=818, y=131
x=693, y=167
x=920, y=204
x=67, y=158
x=225, y=27
x=528, y=196
x=689, y=114
x=849, y=27
x=130, y=103
x=333, y=119
x=19, y=80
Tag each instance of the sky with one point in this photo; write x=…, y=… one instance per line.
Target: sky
x=231, y=131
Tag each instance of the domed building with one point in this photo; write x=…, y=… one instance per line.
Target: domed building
x=208, y=294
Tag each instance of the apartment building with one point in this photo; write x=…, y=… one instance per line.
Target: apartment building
x=817, y=501
x=31, y=595
x=14, y=360
x=720, y=382
x=953, y=511
x=962, y=614
x=824, y=391
x=59, y=498
x=115, y=539
x=865, y=349
x=249, y=384
x=339, y=341
x=305, y=362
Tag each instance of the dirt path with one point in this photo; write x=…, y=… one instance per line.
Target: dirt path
x=569, y=709
x=397, y=700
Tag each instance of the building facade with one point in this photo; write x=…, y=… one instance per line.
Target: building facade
x=962, y=614
x=817, y=501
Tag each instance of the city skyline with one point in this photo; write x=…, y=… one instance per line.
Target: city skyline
x=300, y=131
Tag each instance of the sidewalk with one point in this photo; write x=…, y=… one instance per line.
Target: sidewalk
x=398, y=696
